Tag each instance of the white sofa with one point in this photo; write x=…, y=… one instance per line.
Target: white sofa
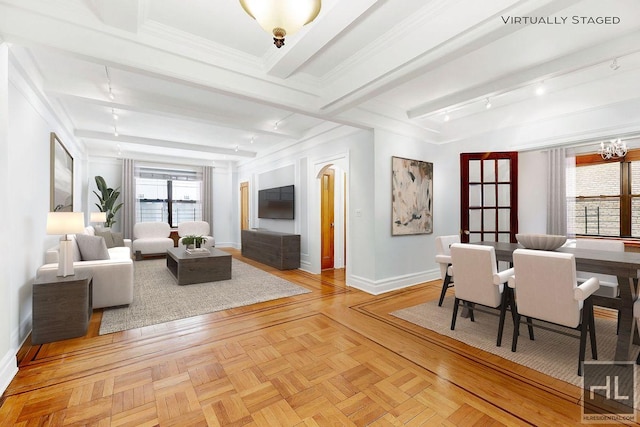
x=197, y=228
x=112, y=278
x=151, y=238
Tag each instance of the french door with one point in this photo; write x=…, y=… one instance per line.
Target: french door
x=489, y=197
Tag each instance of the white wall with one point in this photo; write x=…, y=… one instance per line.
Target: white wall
x=8, y=367
x=351, y=150
x=25, y=192
x=111, y=170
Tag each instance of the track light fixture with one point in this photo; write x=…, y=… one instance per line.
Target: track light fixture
x=614, y=64
x=111, y=96
x=540, y=89
x=487, y=104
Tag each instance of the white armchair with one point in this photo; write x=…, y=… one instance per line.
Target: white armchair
x=443, y=257
x=198, y=228
x=478, y=281
x=151, y=238
x=547, y=289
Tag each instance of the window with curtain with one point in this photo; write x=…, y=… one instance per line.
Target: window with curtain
x=607, y=196
x=168, y=195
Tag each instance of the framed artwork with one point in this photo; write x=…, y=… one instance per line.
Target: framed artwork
x=61, y=177
x=412, y=197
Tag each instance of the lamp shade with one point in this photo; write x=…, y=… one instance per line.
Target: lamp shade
x=65, y=222
x=98, y=217
x=282, y=17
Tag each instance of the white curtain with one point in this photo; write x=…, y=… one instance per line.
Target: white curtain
x=129, y=197
x=207, y=196
x=557, y=192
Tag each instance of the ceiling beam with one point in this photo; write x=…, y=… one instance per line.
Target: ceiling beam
x=105, y=136
x=323, y=31
x=170, y=107
x=604, y=52
x=123, y=14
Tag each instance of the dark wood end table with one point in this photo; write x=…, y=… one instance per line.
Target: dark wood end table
x=62, y=307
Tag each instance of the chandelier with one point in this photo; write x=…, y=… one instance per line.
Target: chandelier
x=282, y=17
x=613, y=149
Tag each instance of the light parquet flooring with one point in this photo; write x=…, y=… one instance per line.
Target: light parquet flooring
x=331, y=357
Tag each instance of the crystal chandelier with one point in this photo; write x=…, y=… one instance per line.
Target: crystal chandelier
x=282, y=17
x=613, y=149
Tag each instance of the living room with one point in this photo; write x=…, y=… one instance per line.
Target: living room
x=376, y=261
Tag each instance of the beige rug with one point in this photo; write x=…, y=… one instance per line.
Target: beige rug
x=550, y=353
x=158, y=299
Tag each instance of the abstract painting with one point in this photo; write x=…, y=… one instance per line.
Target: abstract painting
x=61, y=177
x=412, y=197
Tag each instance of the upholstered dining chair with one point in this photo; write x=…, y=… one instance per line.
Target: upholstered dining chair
x=443, y=257
x=547, y=289
x=478, y=282
x=608, y=284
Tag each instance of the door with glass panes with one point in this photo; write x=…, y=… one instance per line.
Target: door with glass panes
x=489, y=197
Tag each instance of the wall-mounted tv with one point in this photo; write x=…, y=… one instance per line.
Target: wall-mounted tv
x=276, y=203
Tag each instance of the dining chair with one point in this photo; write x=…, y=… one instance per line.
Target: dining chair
x=443, y=257
x=479, y=282
x=548, y=290
x=608, y=283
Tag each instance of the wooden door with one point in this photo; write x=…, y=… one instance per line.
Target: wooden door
x=489, y=197
x=327, y=218
x=244, y=205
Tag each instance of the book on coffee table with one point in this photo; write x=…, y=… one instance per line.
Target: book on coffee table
x=198, y=251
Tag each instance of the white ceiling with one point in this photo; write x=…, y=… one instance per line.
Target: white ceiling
x=201, y=79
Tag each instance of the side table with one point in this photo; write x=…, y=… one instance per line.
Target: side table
x=62, y=307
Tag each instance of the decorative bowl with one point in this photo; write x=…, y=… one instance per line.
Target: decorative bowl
x=545, y=242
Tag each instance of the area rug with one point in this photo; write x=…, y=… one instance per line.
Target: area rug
x=158, y=298
x=550, y=353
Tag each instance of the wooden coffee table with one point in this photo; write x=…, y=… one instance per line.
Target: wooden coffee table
x=188, y=269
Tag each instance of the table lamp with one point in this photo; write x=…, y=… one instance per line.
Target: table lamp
x=98, y=218
x=65, y=223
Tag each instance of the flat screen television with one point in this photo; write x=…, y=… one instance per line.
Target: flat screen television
x=276, y=203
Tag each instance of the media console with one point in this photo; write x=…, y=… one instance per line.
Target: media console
x=279, y=250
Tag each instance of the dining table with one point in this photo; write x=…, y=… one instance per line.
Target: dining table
x=624, y=265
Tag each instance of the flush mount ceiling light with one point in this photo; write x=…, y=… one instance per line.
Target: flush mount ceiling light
x=282, y=17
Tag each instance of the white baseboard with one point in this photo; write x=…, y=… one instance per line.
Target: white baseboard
x=377, y=287
x=8, y=369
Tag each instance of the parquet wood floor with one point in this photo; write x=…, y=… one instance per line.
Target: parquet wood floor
x=331, y=357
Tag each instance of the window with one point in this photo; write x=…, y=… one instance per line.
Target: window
x=171, y=196
x=607, y=196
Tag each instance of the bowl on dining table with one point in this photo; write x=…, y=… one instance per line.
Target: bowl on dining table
x=545, y=242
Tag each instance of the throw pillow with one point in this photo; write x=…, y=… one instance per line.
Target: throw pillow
x=118, y=240
x=92, y=247
x=108, y=238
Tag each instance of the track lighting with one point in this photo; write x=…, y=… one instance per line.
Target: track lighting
x=447, y=117
x=540, y=89
x=487, y=104
x=275, y=127
x=614, y=64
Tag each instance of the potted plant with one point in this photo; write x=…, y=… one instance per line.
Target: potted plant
x=107, y=199
x=193, y=240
